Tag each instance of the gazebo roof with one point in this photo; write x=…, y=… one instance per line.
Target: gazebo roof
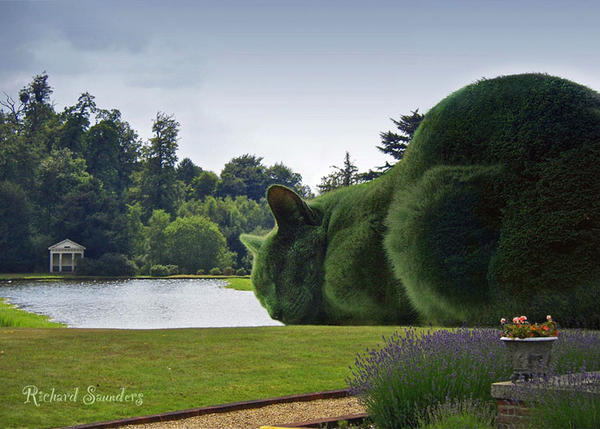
x=66, y=244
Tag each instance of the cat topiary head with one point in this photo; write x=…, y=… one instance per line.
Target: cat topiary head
x=325, y=263
x=288, y=263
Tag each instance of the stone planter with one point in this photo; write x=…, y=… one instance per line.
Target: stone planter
x=530, y=357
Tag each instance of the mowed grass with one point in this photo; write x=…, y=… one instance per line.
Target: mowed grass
x=239, y=283
x=32, y=276
x=10, y=316
x=173, y=369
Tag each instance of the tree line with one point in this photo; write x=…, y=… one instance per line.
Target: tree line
x=84, y=173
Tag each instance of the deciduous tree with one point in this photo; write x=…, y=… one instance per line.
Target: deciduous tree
x=244, y=175
x=195, y=243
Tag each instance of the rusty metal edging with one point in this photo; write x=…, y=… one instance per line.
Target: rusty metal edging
x=223, y=408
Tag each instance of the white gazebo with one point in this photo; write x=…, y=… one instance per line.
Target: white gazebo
x=64, y=256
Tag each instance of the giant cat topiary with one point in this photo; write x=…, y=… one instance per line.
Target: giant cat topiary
x=494, y=211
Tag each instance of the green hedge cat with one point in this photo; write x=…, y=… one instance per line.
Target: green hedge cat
x=494, y=211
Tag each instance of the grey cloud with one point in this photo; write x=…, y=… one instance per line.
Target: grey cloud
x=86, y=26
x=101, y=26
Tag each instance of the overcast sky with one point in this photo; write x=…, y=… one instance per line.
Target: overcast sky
x=298, y=82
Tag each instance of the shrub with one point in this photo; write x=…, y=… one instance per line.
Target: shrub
x=215, y=271
x=109, y=264
x=240, y=272
x=194, y=242
x=200, y=272
x=145, y=270
x=159, y=271
x=87, y=267
x=412, y=371
x=493, y=209
x=497, y=204
x=228, y=271
x=172, y=269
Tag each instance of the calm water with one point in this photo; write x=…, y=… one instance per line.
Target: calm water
x=139, y=304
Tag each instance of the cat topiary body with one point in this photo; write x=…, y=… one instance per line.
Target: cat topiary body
x=494, y=211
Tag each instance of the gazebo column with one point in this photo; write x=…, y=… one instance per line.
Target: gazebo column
x=60, y=262
x=51, y=259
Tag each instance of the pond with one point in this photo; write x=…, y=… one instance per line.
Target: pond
x=139, y=303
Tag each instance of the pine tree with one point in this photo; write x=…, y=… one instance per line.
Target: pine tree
x=159, y=187
x=340, y=177
x=395, y=144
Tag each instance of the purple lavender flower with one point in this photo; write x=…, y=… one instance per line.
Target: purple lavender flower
x=416, y=368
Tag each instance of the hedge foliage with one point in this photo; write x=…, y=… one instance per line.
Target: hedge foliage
x=326, y=263
x=494, y=211
x=109, y=264
x=500, y=204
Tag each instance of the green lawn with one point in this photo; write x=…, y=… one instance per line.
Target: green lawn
x=32, y=276
x=13, y=317
x=173, y=369
x=239, y=283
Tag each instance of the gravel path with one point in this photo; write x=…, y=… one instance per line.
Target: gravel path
x=269, y=415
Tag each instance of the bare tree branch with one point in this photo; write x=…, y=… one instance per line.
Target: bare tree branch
x=11, y=105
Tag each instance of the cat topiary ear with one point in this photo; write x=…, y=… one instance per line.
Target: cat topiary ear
x=289, y=209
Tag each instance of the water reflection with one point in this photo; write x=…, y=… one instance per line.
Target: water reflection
x=139, y=304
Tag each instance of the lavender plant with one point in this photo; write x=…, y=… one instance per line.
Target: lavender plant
x=569, y=402
x=576, y=350
x=458, y=414
x=414, y=370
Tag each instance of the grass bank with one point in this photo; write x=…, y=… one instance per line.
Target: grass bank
x=239, y=283
x=11, y=316
x=173, y=369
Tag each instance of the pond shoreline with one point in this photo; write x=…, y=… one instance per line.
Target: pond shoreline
x=138, y=303
x=45, y=277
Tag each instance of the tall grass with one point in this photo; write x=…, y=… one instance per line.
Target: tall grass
x=10, y=316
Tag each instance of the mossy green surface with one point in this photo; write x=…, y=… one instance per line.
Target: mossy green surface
x=494, y=211
x=324, y=262
x=499, y=208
